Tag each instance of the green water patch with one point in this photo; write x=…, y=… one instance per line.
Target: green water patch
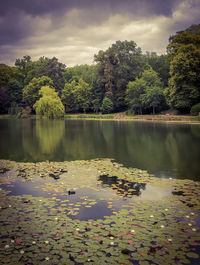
x=47, y=227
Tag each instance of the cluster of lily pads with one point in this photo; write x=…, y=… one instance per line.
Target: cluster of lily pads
x=48, y=229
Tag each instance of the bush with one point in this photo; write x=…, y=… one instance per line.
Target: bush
x=195, y=110
x=26, y=112
x=15, y=110
x=130, y=112
x=107, y=105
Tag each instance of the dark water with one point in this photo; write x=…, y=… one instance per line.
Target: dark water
x=166, y=150
x=125, y=192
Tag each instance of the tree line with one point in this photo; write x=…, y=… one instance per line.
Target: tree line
x=121, y=79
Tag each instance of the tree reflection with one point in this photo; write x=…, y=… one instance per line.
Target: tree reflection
x=49, y=134
x=46, y=136
x=121, y=186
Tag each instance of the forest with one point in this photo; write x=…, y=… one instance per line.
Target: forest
x=122, y=78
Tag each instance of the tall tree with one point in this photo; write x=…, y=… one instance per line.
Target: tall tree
x=53, y=69
x=4, y=100
x=119, y=64
x=83, y=95
x=68, y=97
x=135, y=90
x=145, y=92
x=160, y=64
x=184, y=90
x=76, y=96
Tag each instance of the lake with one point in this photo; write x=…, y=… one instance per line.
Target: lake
x=67, y=208
x=163, y=149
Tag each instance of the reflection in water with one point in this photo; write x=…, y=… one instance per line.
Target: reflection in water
x=49, y=134
x=83, y=203
x=122, y=186
x=166, y=150
x=46, y=135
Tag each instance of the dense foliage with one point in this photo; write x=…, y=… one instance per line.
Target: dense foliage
x=195, y=110
x=145, y=92
x=49, y=105
x=122, y=79
x=184, y=90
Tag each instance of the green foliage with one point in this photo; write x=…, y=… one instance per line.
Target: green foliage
x=184, y=90
x=83, y=95
x=195, y=110
x=153, y=97
x=107, y=105
x=133, y=95
x=31, y=91
x=15, y=91
x=119, y=64
x=76, y=96
x=68, y=96
x=42, y=67
x=49, y=105
x=15, y=110
x=86, y=72
x=145, y=92
x=159, y=64
x=4, y=100
x=51, y=68
x=5, y=75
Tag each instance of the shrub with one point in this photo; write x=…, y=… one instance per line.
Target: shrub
x=26, y=112
x=107, y=105
x=195, y=110
x=15, y=110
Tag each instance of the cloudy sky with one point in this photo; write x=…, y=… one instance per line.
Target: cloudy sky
x=74, y=30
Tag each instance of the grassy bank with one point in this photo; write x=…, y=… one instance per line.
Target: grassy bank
x=123, y=116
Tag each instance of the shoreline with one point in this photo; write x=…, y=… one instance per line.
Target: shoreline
x=184, y=119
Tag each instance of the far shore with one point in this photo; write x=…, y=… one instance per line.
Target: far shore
x=123, y=117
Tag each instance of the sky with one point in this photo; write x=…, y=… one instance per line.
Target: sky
x=74, y=30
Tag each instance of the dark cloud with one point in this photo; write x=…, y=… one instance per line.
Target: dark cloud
x=14, y=26
x=40, y=7
x=76, y=29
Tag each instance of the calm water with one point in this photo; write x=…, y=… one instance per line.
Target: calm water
x=166, y=150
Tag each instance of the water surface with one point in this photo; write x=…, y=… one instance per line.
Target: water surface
x=164, y=149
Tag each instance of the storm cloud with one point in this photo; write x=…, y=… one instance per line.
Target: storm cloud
x=74, y=30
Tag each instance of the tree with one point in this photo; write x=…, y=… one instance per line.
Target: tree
x=89, y=74
x=49, y=105
x=83, y=95
x=51, y=68
x=160, y=64
x=107, y=105
x=15, y=91
x=4, y=100
x=184, y=90
x=68, y=96
x=119, y=64
x=153, y=97
x=195, y=110
x=24, y=65
x=5, y=75
x=31, y=91
x=133, y=95
x=77, y=96
x=145, y=92
x=21, y=63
